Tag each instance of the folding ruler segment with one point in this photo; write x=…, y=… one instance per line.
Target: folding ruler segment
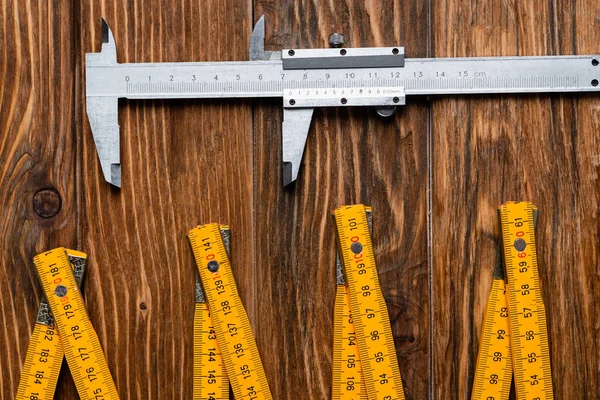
x=81, y=345
x=348, y=379
x=527, y=313
x=210, y=377
x=307, y=78
x=369, y=311
x=230, y=320
x=45, y=353
x=494, y=369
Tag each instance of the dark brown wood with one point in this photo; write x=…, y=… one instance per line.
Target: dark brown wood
x=38, y=123
x=434, y=174
x=184, y=163
x=490, y=150
x=352, y=156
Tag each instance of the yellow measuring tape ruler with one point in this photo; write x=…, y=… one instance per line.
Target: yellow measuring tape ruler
x=369, y=311
x=348, y=380
x=230, y=321
x=493, y=373
x=45, y=353
x=527, y=315
x=210, y=377
x=495, y=360
x=79, y=340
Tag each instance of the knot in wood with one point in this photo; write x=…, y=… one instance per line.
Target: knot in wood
x=47, y=203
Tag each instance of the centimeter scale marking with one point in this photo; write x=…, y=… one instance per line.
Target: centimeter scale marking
x=369, y=311
x=210, y=377
x=140, y=89
x=527, y=314
x=45, y=352
x=234, y=334
x=443, y=76
x=80, y=343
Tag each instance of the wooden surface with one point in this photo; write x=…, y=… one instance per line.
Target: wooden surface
x=434, y=174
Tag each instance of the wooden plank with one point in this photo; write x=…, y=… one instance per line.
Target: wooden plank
x=491, y=149
x=189, y=162
x=184, y=163
x=351, y=156
x=38, y=123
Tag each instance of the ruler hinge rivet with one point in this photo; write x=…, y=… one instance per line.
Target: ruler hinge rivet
x=60, y=291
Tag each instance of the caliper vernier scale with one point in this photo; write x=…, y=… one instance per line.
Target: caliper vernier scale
x=308, y=78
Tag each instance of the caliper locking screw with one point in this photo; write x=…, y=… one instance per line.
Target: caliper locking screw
x=336, y=40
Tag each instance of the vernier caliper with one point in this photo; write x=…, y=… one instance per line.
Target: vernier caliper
x=307, y=78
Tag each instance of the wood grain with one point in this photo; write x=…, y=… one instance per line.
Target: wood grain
x=490, y=150
x=434, y=174
x=184, y=163
x=352, y=156
x=37, y=151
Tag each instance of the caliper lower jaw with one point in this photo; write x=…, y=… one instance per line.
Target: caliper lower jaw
x=295, y=127
x=103, y=112
x=103, y=116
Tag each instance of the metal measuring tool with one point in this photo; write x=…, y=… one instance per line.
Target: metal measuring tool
x=380, y=77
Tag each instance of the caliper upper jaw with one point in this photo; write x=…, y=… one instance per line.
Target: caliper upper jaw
x=103, y=111
x=257, y=43
x=108, y=52
x=296, y=122
x=295, y=127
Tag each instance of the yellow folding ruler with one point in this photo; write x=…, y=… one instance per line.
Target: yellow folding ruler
x=514, y=337
x=45, y=353
x=230, y=321
x=348, y=380
x=210, y=377
x=381, y=375
x=78, y=340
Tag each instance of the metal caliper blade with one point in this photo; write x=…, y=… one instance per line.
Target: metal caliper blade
x=103, y=112
x=295, y=126
x=257, y=41
x=257, y=44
